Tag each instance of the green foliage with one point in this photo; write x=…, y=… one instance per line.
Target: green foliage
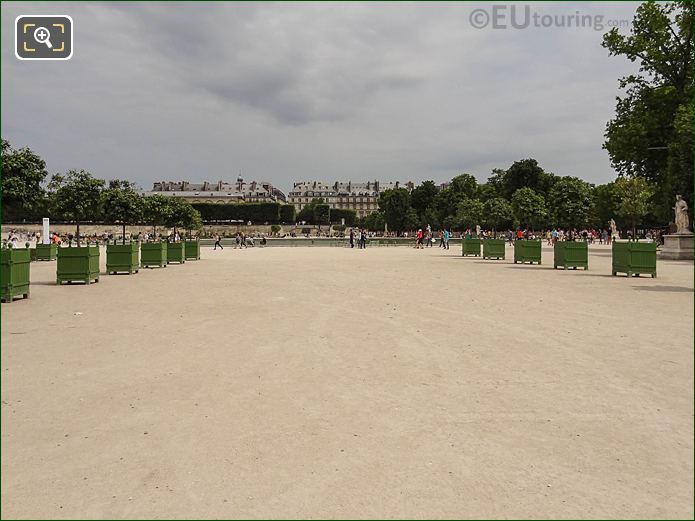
x=322, y=214
x=22, y=175
x=469, y=213
x=287, y=214
x=422, y=197
x=275, y=228
x=395, y=206
x=651, y=133
x=156, y=210
x=181, y=214
x=337, y=214
x=605, y=205
x=374, y=222
x=257, y=213
x=445, y=206
x=634, y=195
x=464, y=186
x=121, y=204
x=497, y=213
x=487, y=191
x=529, y=207
x=76, y=196
x=315, y=212
x=570, y=201
x=522, y=174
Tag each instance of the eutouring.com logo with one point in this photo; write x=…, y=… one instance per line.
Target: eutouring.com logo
x=523, y=17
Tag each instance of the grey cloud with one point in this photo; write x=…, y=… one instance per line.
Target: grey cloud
x=295, y=91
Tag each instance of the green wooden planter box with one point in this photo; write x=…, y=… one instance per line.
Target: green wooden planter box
x=493, y=248
x=46, y=252
x=193, y=250
x=176, y=252
x=570, y=254
x=634, y=258
x=14, y=273
x=123, y=258
x=153, y=254
x=470, y=247
x=78, y=264
x=527, y=251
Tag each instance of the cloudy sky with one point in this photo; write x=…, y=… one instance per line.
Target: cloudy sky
x=304, y=91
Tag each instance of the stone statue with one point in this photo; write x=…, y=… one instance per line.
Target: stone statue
x=614, y=230
x=682, y=220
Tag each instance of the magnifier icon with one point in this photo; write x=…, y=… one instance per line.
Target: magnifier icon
x=42, y=35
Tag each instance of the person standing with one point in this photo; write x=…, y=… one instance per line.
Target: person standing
x=446, y=238
x=352, y=237
x=218, y=242
x=418, y=239
x=363, y=239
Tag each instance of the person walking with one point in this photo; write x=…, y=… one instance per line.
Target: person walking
x=218, y=242
x=418, y=239
x=363, y=239
x=446, y=238
x=352, y=237
x=429, y=236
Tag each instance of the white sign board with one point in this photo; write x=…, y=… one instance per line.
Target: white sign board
x=46, y=238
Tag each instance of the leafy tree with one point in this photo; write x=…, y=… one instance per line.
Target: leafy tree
x=651, y=133
x=570, y=202
x=374, y=222
x=22, y=175
x=522, y=174
x=605, y=205
x=464, y=185
x=496, y=180
x=486, y=191
x=445, y=206
x=469, y=213
x=181, y=214
x=77, y=197
x=322, y=214
x=121, y=204
x=308, y=213
x=430, y=217
x=635, y=195
x=529, y=207
x=422, y=197
x=156, y=210
x=497, y=213
x=395, y=206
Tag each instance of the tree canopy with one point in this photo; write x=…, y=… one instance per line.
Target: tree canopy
x=651, y=133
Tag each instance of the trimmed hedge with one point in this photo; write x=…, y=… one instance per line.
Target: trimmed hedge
x=287, y=214
x=257, y=213
x=337, y=214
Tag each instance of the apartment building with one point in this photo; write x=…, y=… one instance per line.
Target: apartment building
x=220, y=192
x=361, y=197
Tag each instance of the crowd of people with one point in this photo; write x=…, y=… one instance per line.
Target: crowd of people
x=424, y=238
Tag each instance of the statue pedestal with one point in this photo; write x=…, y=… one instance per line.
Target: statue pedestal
x=678, y=246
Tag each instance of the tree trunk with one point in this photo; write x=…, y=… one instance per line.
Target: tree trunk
x=124, y=234
x=78, y=234
x=634, y=230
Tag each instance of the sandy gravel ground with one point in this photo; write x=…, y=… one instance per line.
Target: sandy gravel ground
x=325, y=382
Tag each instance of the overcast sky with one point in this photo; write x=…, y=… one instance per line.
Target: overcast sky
x=304, y=91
